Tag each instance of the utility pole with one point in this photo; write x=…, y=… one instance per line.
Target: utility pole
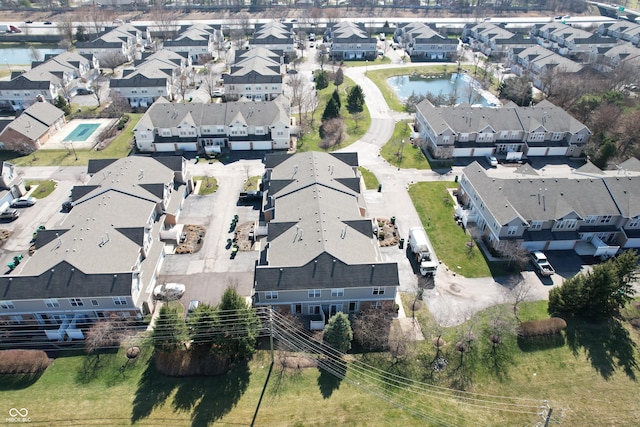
x=271, y=333
x=548, y=419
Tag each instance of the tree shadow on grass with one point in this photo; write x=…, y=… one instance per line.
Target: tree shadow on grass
x=331, y=374
x=18, y=381
x=207, y=398
x=607, y=344
x=95, y=365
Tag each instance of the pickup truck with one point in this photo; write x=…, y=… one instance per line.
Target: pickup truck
x=541, y=263
x=251, y=195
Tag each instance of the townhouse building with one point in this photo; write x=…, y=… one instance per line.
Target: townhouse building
x=592, y=212
x=508, y=132
x=275, y=36
x=424, y=43
x=536, y=62
x=199, y=41
x=569, y=41
x=494, y=40
x=126, y=40
x=206, y=127
x=256, y=75
x=314, y=208
x=621, y=30
x=32, y=129
x=350, y=41
x=103, y=259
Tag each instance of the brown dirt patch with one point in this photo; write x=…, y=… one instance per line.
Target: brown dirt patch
x=296, y=362
x=184, y=363
x=4, y=236
x=387, y=232
x=243, y=236
x=194, y=238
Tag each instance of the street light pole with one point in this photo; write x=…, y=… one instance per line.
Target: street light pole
x=74, y=151
x=401, y=151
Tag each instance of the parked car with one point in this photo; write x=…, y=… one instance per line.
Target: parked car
x=23, y=202
x=67, y=206
x=169, y=291
x=47, y=22
x=28, y=22
x=541, y=263
x=9, y=215
x=83, y=91
x=381, y=53
x=118, y=21
x=493, y=162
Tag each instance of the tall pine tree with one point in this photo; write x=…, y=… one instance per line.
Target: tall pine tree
x=355, y=100
x=331, y=111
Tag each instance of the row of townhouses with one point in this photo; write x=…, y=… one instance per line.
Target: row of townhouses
x=508, y=132
x=32, y=128
x=592, y=212
x=57, y=75
x=201, y=42
x=125, y=41
x=159, y=74
x=104, y=258
x=257, y=74
x=314, y=209
x=206, y=127
x=423, y=42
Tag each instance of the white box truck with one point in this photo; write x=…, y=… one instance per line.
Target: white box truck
x=421, y=247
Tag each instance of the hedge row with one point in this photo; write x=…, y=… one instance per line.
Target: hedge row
x=23, y=361
x=536, y=328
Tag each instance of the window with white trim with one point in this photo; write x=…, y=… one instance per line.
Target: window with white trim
x=513, y=229
x=376, y=304
x=378, y=291
x=591, y=219
x=52, y=303
x=314, y=293
x=605, y=219
x=634, y=222
x=269, y=295
x=338, y=292
x=7, y=305
x=76, y=302
x=120, y=300
x=94, y=302
x=535, y=225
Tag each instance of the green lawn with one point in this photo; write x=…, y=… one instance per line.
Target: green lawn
x=251, y=183
x=354, y=129
x=209, y=185
x=588, y=374
x=403, y=155
x=44, y=188
x=435, y=207
x=378, y=61
x=120, y=147
x=370, y=180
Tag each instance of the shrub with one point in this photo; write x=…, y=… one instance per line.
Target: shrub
x=23, y=361
x=536, y=328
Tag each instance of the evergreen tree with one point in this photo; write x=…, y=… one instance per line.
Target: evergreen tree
x=355, y=100
x=237, y=327
x=322, y=81
x=331, y=111
x=338, y=333
x=202, y=325
x=339, y=78
x=169, y=330
x=62, y=104
x=335, y=95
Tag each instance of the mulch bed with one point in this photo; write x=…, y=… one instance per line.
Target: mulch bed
x=193, y=241
x=389, y=232
x=242, y=236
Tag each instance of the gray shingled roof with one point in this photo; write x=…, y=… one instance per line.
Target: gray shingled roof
x=540, y=198
x=625, y=190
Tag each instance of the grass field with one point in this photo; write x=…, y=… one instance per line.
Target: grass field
x=354, y=129
x=209, y=185
x=44, y=188
x=120, y=147
x=400, y=152
x=435, y=208
x=588, y=376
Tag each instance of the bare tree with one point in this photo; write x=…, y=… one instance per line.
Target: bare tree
x=105, y=333
x=112, y=60
x=520, y=293
x=118, y=106
x=66, y=27
x=100, y=88
x=165, y=20
x=628, y=132
x=310, y=105
x=332, y=133
x=371, y=329
x=209, y=80
x=514, y=252
x=298, y=84
x=96, y=18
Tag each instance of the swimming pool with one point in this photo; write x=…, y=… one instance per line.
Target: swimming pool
x=82, y=132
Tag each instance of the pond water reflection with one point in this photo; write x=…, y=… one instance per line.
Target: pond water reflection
x=462, y=86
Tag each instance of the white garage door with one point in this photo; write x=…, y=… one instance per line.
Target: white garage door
x=462, y=152
x=240, y=145
x=481, y=152
x=187, y=147
x=558, y=151
x=262, y=145
x=561, y=245
x=537, y=151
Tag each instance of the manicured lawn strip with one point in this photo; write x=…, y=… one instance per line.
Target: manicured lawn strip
x=432, y=200
x=209, y=185
x=370, y=180
x=404, y=155
x=120, y=147
x=251, y=183
x=44, y=188
x=378, y=61
x=311, y=140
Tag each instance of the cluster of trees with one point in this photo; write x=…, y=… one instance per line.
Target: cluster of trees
x=599, y=294
x=229, y=330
